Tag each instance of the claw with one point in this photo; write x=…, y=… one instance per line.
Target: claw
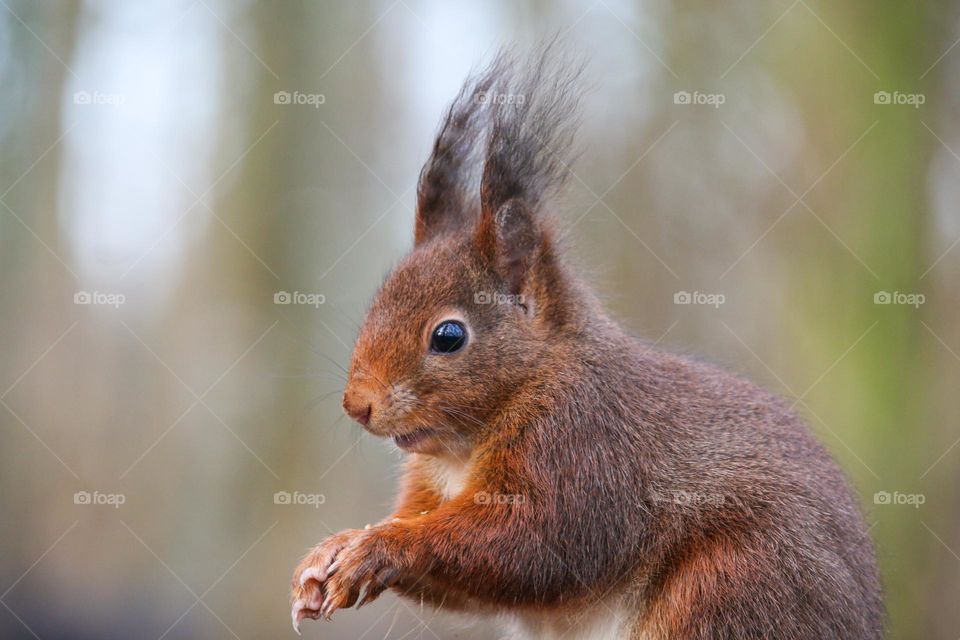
x=296, y=615
x=301, y=611
x=311, y=573
x=333, y=567
x=328, y=607
x=380, y=583
x=369, y=596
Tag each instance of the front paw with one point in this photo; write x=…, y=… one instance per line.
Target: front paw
x=371, y=561
x=307, y=588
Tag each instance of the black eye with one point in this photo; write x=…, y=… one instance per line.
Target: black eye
x=449, y=336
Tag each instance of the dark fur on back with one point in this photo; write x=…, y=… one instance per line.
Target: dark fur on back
x=653, y=494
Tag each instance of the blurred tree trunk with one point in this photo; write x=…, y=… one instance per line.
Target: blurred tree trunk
x=38, y=287
x=878, y=210
x=271, y=207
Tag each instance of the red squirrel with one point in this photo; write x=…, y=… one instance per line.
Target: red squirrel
x=562, y=475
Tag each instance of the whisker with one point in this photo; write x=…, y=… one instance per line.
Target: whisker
x=332, y=361
x=309, y=375
x=315, y=402
x=466, y=407
x=461, y=416
x=316, y=351
x=353, y=321
x=364, y=372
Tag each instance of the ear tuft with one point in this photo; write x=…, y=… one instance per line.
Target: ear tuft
x=521, y=117
x=449, y=180
x=527, y=157
x=530, y=145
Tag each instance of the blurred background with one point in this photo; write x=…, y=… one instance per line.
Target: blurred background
x=199, y=198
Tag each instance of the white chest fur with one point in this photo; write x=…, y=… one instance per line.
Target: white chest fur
x=449, y=475
x=606, y=620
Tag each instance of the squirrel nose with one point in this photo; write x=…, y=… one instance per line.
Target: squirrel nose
x=358, y=410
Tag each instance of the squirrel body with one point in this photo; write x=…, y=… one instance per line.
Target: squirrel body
x=564, y=476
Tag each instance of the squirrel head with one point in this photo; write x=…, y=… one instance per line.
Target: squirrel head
x=473, y=311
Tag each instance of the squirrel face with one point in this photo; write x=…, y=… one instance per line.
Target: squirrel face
x=440, y=349
x=468, y=317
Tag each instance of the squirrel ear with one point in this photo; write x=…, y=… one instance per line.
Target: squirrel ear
x=443, y=215
x=511, y=240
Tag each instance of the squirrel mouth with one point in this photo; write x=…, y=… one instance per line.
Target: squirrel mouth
x=409, y=441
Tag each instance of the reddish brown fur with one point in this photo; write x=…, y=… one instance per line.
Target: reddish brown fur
x=589, y=433
x=701, y=575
